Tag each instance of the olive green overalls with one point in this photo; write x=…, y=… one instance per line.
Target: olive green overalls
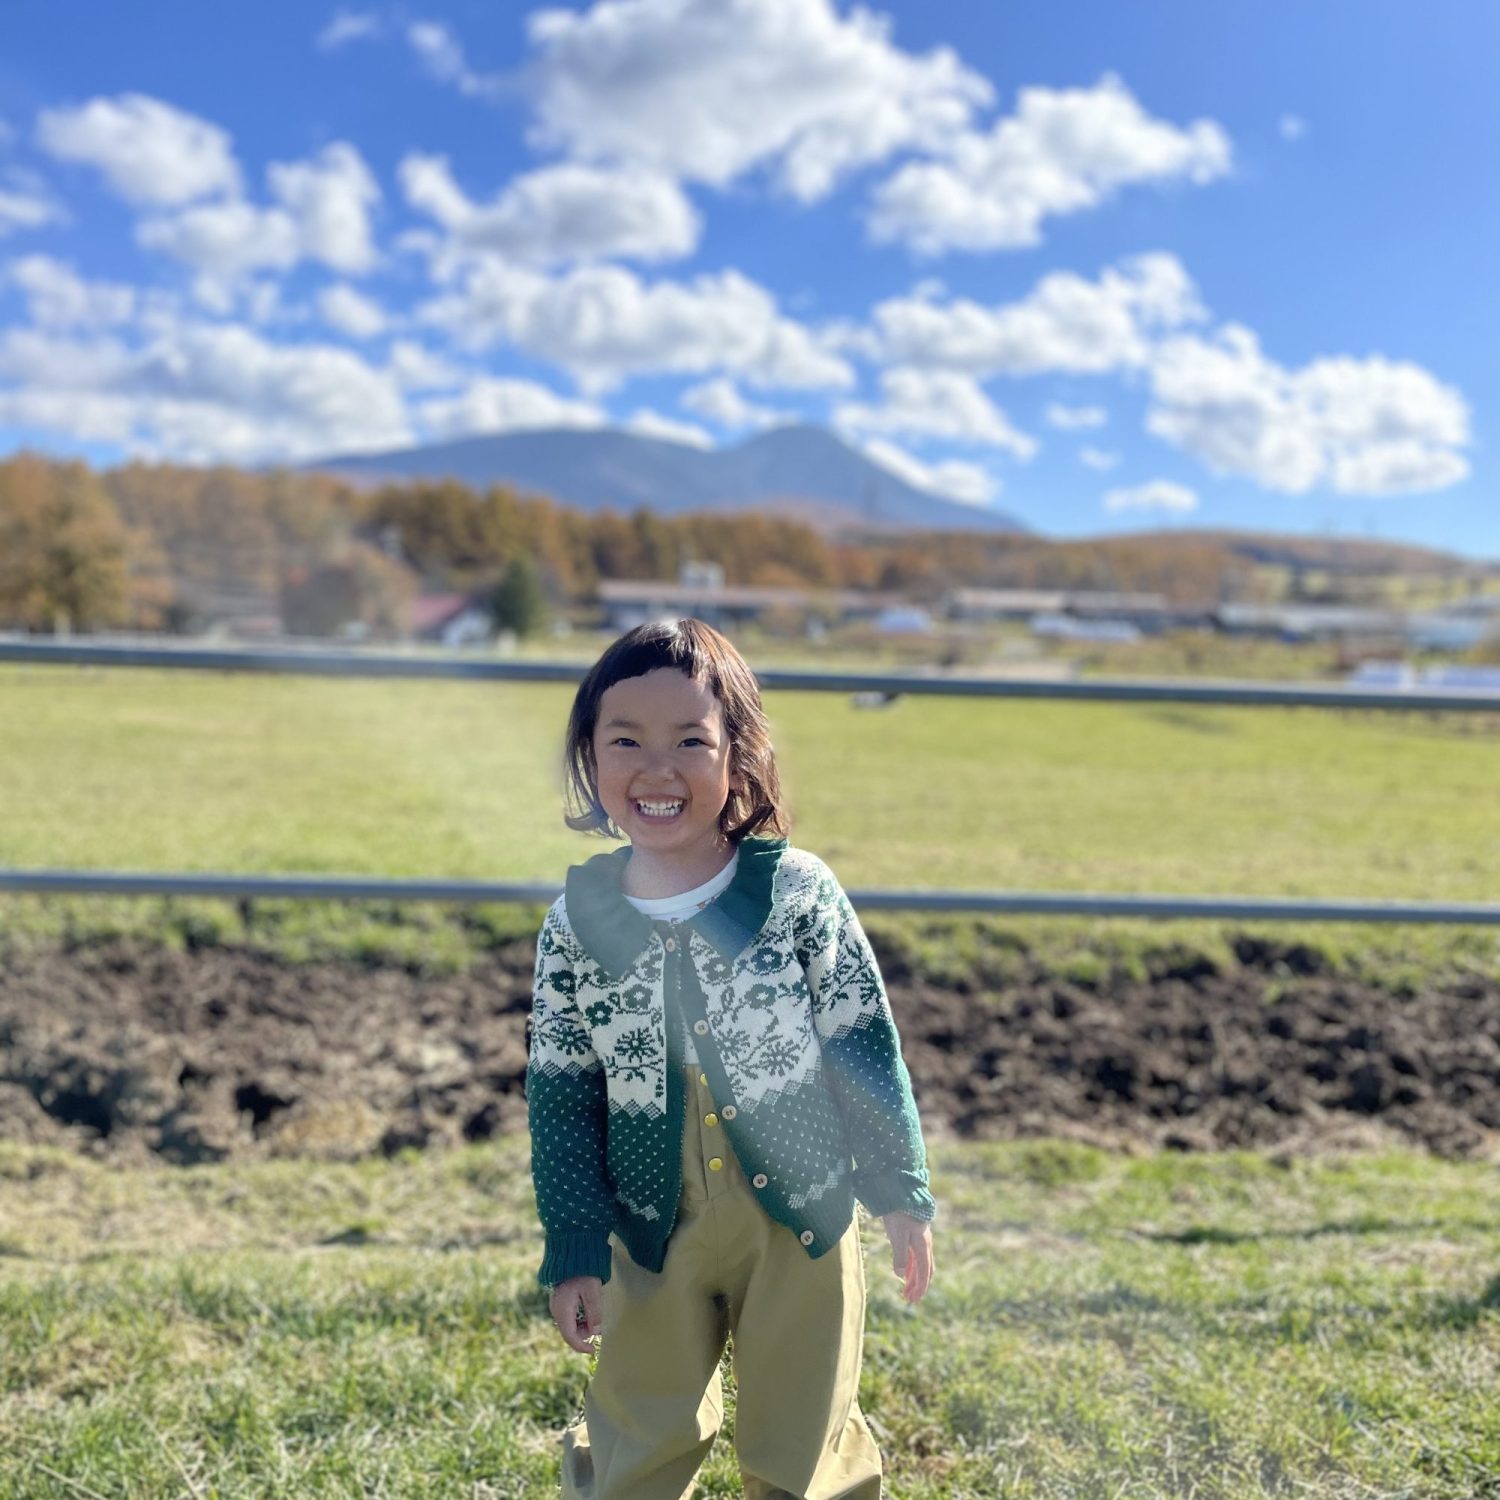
x=655, y=1404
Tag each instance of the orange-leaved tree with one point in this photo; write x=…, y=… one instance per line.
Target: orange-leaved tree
x=63, y=547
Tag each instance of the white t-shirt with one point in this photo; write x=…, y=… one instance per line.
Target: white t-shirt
x=679, y=908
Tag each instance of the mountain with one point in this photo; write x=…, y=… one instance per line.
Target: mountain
x=801, y=470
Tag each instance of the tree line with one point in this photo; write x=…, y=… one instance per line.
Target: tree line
x=167, y=547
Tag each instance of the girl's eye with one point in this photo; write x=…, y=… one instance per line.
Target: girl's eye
x=692, y=740
x=622, y=739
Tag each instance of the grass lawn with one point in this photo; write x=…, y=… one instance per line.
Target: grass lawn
x=118, y=769
x=1101, y=1326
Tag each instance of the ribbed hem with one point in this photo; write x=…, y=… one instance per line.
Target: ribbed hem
x=896, y=1192
x=580, y=1253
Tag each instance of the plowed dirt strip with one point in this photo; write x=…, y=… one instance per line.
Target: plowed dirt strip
x=142, y=1054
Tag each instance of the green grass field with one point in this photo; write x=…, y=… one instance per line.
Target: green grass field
x=1101, y=1326
x=1104, y=1327
x=192, y=771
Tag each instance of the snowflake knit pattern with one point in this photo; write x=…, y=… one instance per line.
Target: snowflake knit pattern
x=783, y=997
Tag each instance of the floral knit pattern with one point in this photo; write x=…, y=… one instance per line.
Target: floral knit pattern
x=799, y=1040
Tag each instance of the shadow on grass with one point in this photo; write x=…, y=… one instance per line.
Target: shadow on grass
x=1208, y=1234
x=1459, y=1313
x=1244, y=1320
x=1181, y=718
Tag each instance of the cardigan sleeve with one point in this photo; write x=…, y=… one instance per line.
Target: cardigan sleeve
x=567, y=1109
x=862, y=1056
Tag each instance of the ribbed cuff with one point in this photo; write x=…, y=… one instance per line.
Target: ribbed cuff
x=577, y=1253
x=895, y=1192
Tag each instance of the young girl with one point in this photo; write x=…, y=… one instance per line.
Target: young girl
x=715, y=1078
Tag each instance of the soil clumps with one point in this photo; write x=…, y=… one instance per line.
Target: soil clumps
x=149, y=1053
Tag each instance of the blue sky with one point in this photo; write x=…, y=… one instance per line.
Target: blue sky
x=1104, y=266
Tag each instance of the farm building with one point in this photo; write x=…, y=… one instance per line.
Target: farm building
x=1147, y=613
x=1309, y=622
x=450, y=620
x=630, y=602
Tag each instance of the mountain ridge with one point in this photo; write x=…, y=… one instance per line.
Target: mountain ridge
x=798, y=468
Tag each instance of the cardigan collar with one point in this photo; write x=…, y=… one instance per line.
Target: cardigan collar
x=613, y=933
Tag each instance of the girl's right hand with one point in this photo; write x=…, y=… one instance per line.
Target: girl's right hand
x=577, y=1307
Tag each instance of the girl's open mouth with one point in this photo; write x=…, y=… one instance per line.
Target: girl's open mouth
x=658, y=810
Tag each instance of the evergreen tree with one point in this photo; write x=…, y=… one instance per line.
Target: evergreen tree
x=519, y=602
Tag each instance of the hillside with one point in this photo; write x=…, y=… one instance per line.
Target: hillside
x=1330, y=554
x=801, y=469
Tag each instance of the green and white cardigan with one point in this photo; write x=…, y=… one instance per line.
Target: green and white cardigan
x=789, y=1017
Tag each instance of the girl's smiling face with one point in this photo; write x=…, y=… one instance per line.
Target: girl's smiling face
x=662, y=761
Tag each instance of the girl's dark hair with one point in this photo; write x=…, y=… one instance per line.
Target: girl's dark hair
x=701, y=653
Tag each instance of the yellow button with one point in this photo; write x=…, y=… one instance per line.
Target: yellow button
x=710, y=1119
x=715, y=1164
x=703, y=1078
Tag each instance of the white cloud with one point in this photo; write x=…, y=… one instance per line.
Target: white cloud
x=1368, y=427
x=54, y=362
x=1064, y=150
x=322, y=213
x=415, y=368
x=1292, y=127
x=706, y=90
x=330, y=197
x=952, y=480
x=490, y=404
x=561, y=213
x=648, y=423
x=25, y=203
x=58, y=297
x=1097, y=458
x=226, y=240
x=349, y=26
x=1065, y=323
x=261, y=302
x=1156, y=494
x=428, y=184
x=149, y=151
x=1397, y=468
x=603, y=323
x=936, y=403
x=443, y=57
x=200, y=393
x=721, y=401
x=1075, y=418
x=845, y=336
x=351, y=312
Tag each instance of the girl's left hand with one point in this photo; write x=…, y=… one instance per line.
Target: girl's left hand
x=911, y=1253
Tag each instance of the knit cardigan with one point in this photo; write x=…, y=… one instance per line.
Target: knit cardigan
x=792, y=1028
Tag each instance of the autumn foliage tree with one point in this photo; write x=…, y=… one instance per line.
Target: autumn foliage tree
x=146, y=544
x=63, y=548
x=361, y=589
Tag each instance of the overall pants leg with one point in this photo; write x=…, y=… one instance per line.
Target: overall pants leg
x=655, y=1403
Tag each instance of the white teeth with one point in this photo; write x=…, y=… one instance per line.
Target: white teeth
x=658, y=809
